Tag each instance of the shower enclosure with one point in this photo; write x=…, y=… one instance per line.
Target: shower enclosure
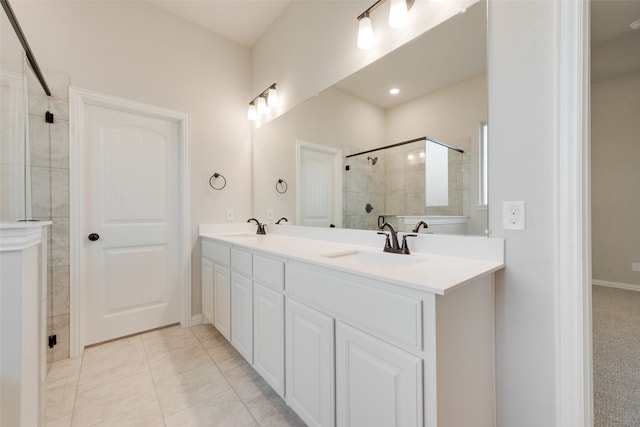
x=417, y=178
x=34, y=168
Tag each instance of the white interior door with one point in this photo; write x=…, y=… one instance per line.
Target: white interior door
x=319, y=185
x=129, y=198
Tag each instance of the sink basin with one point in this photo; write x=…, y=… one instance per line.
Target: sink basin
x=375, y=259
x=240, y=235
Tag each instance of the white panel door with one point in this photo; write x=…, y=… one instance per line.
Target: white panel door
x=207, y=290
x=130, y=188
x=222, y=300
x=268, y=336
x=309, y=364
x=242, y=315
x=319, y=186
x=377, y=384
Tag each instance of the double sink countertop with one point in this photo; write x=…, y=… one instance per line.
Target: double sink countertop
x=437, y=264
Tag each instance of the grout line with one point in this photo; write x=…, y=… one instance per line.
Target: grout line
x=75, y=393
x=153, y=380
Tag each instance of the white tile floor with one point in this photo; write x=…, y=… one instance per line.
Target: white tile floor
x=168, y=377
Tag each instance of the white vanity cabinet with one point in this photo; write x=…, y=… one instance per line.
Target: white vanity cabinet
x=376, y=383
x=309, y=364
x=403, y=357
x=242, y=303
x=268, y=320
x=347, y=348
x=23, y=321
x=216, y=286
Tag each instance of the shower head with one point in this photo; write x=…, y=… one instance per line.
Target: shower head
x=374, y=160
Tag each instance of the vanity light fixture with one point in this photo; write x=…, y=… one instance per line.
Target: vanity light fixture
x=365, y=31
x=259, y=105
x=398, y=16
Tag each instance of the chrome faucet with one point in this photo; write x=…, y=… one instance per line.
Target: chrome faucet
x=282, y=219
x=391, y=244
x=261, y=229
x=418, y=225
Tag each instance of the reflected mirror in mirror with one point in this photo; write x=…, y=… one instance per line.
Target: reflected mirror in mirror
x=441, y=77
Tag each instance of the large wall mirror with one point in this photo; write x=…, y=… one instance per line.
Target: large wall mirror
x=355, y=152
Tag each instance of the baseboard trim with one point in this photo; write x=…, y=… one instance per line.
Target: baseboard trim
x=196, y=320
x=627, y=286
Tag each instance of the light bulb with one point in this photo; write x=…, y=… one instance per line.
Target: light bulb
x=272, y=98
x=261, y=105
x=398, y=13
x=365, y=32
x=252, y=113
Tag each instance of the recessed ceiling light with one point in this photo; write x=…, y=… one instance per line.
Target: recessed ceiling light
x=635, y=25
x=394, y=91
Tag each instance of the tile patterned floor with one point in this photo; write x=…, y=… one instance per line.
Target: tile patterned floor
x=167, y=377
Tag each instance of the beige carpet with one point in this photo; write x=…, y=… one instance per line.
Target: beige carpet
x=616, y=357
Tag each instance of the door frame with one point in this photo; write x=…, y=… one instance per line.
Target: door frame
x=573, y=340
x=337, y=178
x=79, y=99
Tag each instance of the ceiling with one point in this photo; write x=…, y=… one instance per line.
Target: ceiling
x=610, y=19
x=242, y=21
x=410, y=69
x=454, y=51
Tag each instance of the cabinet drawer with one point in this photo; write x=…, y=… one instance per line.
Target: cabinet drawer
x=268, y=271
x=241, y=262
x=385, y=314
x=215, y=251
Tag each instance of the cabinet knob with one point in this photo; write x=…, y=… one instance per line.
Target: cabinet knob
x=94, y=236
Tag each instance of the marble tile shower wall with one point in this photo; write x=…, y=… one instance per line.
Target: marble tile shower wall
x=49, y=144
x=395, y=185
x=364, y=184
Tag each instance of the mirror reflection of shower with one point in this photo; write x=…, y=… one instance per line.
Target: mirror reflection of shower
x=413, y=178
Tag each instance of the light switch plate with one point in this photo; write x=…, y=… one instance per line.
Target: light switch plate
x=513, y=215
x=269, y=213
x=229, y=214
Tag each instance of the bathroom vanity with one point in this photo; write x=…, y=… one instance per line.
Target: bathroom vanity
x=351, y=336
x=23, y=323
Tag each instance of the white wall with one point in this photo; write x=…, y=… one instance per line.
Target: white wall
x=615, y=132
x=522, y=130
x=138, y=51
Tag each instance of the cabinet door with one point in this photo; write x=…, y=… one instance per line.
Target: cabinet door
x=268, y=336
x=309, y=362
x=207, y=289
x=377, y=384
x=242, y=315
x=222, y=300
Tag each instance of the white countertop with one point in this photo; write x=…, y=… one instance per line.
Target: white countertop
x=431, y=272
x=19, y=235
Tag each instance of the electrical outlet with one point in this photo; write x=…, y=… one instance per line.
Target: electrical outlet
x=635, y=266
x=229, y=214
x=513, y=215
x=269, y=213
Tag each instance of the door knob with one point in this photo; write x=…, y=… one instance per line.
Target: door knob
x=94, y=236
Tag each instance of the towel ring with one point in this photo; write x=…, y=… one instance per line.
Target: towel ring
x=281, y=184
x=216, y=176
